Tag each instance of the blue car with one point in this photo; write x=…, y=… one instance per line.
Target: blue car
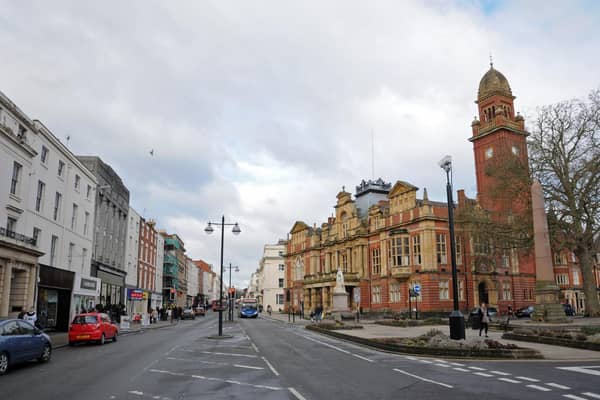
x=248, y=310
x=20, y=341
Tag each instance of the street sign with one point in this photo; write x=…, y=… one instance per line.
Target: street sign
x=417, y=289
x=356, y=295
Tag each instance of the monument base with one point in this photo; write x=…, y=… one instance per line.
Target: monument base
x=548, y=307
x=340, y=305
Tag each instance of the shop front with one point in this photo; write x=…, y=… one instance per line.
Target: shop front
x=111, y=289
x=86, y=294
x=156, y=300
x=54, y=298
x=137, y=302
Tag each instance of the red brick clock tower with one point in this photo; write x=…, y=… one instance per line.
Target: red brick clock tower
x=502, y=170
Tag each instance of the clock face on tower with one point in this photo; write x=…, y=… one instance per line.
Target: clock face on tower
x=489, y=153
x=515, y=150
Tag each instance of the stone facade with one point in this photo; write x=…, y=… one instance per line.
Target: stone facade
x=269, y=278
x=110, y=230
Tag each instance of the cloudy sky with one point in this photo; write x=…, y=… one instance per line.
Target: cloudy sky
x=262, y=110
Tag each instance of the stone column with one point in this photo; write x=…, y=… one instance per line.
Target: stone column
x=548, y=307
x=7, y=272
x=30, y=295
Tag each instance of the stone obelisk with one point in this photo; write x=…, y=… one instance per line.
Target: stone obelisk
x=548, y=307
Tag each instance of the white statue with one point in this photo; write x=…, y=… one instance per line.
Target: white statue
x=339, y=282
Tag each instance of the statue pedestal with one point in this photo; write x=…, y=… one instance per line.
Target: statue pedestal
x=548, y=307
x=340, y=305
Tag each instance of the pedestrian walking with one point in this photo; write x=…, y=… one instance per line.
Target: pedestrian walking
x=269, y=310
x=30, y=316
x=485, y=319
x=170, y=315
x=318, y=313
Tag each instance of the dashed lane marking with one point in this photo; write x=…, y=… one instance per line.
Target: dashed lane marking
x=477, y=368
x=541, y=388
x=233, y=382
x=440, y=361
x=271, y=366
x=573, y=397
x=229, y=354
x=509, y=380
x=247, y=366
x=590, y=394
x=254, y=347
x=556, y=385
x=583, y=369
x=500, y=373
x=483, y=374
x=426, y=361
x=363, y=358
x=411, y=358
x=296, y=393
x=442, y=365
x=457, y=364
x=424, y=379
x=524, y=378
x=461, y=369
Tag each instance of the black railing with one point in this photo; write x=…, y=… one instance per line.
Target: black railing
x=17, y=236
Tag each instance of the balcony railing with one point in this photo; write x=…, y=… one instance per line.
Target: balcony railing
x=329, y=277
x=18, y=237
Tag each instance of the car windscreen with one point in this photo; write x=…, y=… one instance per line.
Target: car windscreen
x=248, y=306
x=85, y=319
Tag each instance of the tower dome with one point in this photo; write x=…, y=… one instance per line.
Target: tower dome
x=493, y=82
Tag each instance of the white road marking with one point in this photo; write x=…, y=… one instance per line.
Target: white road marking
x=270, y=366
x=172, y=350
x=442, y=365
x=461, y=369
x=483, y=374
x=524, y=378
x=543, y=389
x=572, y=396
x=556, y=385
x=229, y=354
x=136, y=392
x=458, y=364
x=326, y=344
x=500, y=373
x=583, y=369
x=590, y=394
x=254, y=347
x=477, y=368
x=509, y=380
x=440, y=361
x=362, y=358
x=424, y=379
x=426, y=361
x=247, y=366
x=190, y=360
x=296, y=394
x=411, y=358
x=216, y=379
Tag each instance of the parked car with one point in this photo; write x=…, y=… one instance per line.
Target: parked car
x=188, y=313
x=92, y=327
x=525, y=312
x=569, y=310
x=473, y=318
x=20, y=341
x=200, y=311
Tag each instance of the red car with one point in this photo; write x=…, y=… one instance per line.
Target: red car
x=92, y=327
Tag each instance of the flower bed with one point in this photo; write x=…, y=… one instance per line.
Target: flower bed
x=435, y=343
x=587, y=338
x=403, y=323
x=336, y=326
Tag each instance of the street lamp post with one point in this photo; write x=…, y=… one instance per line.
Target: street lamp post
x=236, y=231
x=457, y=320
x=230, y=297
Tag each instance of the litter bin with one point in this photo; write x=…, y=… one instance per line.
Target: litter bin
x=475, y=321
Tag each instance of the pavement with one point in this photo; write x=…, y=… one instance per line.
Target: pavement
x=371, y=331
x=61, y=339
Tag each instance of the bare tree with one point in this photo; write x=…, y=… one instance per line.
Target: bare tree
x=565, y=157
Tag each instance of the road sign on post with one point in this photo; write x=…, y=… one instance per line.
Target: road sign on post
x=417, y=289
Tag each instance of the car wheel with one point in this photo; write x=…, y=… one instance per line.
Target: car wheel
x=46, y=353
x=102, y=340
x=115, y=336
x=71, y=343
x=3, y=363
